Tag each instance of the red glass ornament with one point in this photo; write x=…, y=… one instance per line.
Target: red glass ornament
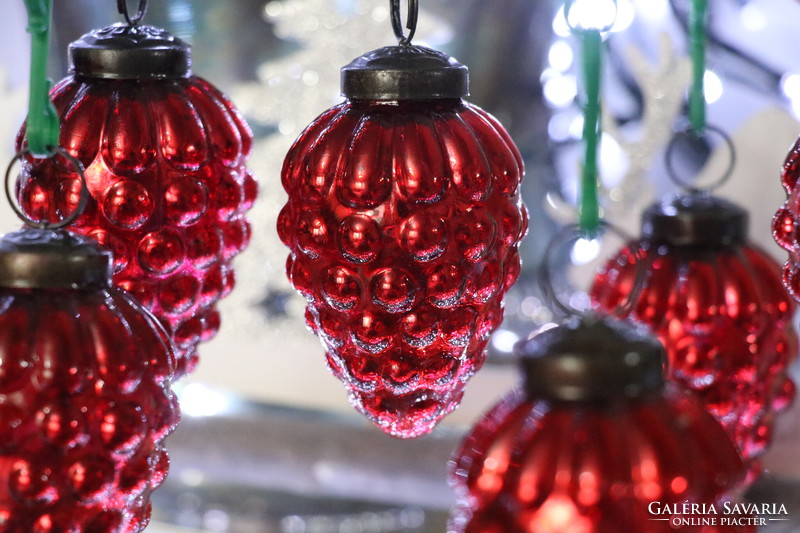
x=717, y=303
x=403, y=222
x=590, y=441
x=85, y=399
x=165, y=155
x=784, y=224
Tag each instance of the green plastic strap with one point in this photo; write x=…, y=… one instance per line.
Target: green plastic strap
x=591, y=40
x=697, y=35
x=42, y=124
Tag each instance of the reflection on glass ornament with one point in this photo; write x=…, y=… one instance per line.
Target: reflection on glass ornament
x=717, y=303
x=165, y=154
x=403, y=222
x=85, y=400
x=590, y=440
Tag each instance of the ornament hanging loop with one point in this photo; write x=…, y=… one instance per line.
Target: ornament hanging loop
x=697, y=146
x=44, y=224
x=397, y=24
x=571, y=234
x=122, y=8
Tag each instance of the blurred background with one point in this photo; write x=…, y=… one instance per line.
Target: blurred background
x=269, y=441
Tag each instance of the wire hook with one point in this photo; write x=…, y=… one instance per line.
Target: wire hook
x=698, y=146
x=411, y=20
x=569, y=235
x=122, y=7
x=69, y=218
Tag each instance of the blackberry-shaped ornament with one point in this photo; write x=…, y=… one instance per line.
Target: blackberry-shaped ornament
x=403, y=222
x=164, y=153
x=85, y=399
x=594, y=442
x=716, y=302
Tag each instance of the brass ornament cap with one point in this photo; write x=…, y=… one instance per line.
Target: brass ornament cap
x=592, y=358
x=695, y=219
x=405, y=72
x=52, y=259
x=125, y=52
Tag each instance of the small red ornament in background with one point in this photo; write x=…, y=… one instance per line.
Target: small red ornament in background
x=590, y=441
x=717, y=303
x=85, y=399
x=786, y=220
x=165, y=155
x=403, y=222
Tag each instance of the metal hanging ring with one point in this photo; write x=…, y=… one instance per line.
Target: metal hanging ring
x=697, y=142
x=572, y=233
x=70, y=218
x=569, y=4
x=411, y=20
x=122, y=7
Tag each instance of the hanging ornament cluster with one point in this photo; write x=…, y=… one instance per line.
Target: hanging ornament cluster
x=590, y=440
x=716, y=302
x=403, y=222
x=712, y=297
x=164, y=153
x=85, y=400
x=594, y=437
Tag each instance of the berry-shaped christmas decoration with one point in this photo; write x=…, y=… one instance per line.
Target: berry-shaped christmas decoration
x=787, y=219
x=164, y=153
x=717, y=303
x=403, y=222
x=85, y=399
x=590, y=441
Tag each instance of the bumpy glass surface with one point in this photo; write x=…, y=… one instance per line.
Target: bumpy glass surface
x=165, y=166
x=540, y=467
x=85, y=404
x=725, y=320
x=403, y=222
x=786, y=220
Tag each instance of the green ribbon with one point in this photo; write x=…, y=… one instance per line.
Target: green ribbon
x=697, y=38
x=589, y=210
x=42, y=125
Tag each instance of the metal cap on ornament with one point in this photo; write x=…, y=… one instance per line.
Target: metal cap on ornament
x=695, y=220
x=127, y=51
x=696, y=217
x=37, y=258
x=591, y=358
x=406, y=71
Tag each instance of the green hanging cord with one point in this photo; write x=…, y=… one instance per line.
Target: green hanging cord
x=42, y=124
x=697, y=37
x=589, y=214
x=591, y=37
